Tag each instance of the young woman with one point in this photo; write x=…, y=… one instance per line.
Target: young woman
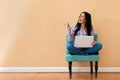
x=83, y=27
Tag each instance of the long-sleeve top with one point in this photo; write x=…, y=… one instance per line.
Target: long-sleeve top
x=71, y=32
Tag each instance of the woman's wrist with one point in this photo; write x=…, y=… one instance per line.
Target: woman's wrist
x=69, y=29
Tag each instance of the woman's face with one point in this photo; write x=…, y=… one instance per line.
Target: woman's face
x=82, y=18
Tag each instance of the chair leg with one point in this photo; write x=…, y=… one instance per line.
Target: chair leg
x=91, y=67
x=70, y=69
x=96, y=69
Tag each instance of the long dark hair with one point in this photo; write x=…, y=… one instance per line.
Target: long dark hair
x=88, y=24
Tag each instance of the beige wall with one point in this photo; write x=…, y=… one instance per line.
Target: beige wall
x=32, y=33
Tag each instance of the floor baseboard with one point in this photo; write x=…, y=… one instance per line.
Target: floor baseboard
x=56, y=69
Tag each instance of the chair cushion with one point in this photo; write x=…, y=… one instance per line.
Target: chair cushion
x=82, y=58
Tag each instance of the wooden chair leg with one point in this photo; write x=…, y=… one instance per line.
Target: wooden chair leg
x=96, y=69
x=70, y=69
x=91, y=67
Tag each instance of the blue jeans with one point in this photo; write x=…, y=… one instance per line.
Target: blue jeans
x=78, y=51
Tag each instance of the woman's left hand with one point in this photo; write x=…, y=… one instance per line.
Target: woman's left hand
x=94, y=42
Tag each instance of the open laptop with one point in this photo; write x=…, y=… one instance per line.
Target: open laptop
x=83, y=41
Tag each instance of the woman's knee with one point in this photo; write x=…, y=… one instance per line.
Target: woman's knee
x=99, y=45
x=69, y=46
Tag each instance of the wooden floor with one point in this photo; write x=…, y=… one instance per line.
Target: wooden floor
x=58, y=76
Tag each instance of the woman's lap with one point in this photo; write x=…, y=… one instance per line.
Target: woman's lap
x=77, y=51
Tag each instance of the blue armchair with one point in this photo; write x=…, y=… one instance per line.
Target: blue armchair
x=82, y=58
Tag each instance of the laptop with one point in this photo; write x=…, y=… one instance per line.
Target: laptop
x=83, y=41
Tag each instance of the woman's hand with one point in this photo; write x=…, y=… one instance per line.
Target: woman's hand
x=66, y=25
x=94, y=42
